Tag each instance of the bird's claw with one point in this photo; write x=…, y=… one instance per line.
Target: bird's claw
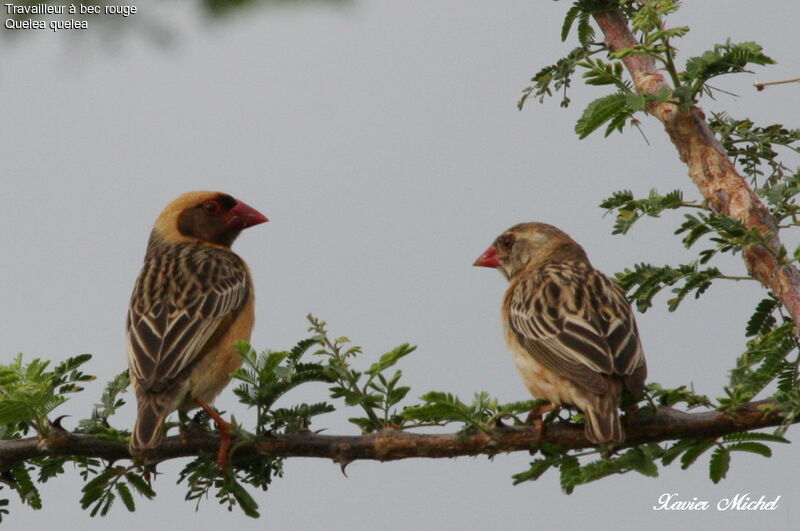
x=225, y=438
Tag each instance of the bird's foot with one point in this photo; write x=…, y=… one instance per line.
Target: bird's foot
x=189, y=429
x=607, y=450
x=225, y=437
x=535, y=418
x=629, y=417
x=150, y=473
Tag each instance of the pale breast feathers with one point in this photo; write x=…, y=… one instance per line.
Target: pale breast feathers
x=185, y=294
x=577, y=323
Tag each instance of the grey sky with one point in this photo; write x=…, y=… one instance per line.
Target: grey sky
x=384, y=143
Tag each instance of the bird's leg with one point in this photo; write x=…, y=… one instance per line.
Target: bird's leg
x=535, y=418
x=150, y=473
x=224, y=434
x=629, y=416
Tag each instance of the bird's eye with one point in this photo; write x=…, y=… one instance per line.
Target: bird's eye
x=211, y=208
x=506, y=241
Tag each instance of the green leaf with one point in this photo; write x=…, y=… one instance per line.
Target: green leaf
x=246, y=502
x=50, y=467
x=69, y=365
x=585, y=30
x=693, y=452
x=110, y=402
x=302, y=347
x=600, y=111
x=629, y=209
x=390, y=358
x=616, y=124
x=643, y=464
x=398, y=394
x=29, y=393
x=13, y=411
x=645, y=281
x=649, y=16
x=763, y=361
x=753, y=447
x=640, y=459
x=440, y=407
x=636, y=102
x=104, y=506
x=671, y=397
x=572, y=14
x=94, y=489
x=762, y=320
x=725, y=58
x=619, y=199
x=537, y=468
x=557, y=77
x=125, y=496
x=599, y=73
x=140, y=485
x=667, y=33
x=23, y=484
x=719, y=464
x=570, y=473
x=674, y=451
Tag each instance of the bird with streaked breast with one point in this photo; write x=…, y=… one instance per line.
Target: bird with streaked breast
x=192, y=301
x=570, y=329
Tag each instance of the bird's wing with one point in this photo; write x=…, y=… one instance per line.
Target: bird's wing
x=623, y=338
x=181, y=301
x=576, y=323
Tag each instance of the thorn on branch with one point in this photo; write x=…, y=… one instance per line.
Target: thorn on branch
x=343, y=465
x=56, y=424
x=56, y=436
x=762, y=86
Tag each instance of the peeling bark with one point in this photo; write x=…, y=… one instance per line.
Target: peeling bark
x=710, y=168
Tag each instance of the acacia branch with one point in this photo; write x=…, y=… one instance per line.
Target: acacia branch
x=712, y=171
x=389, y=445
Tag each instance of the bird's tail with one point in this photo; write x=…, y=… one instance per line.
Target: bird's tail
x=148, y=432
x=602, y=423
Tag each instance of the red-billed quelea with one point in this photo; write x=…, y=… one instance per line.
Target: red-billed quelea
x=570, y=329
x=193, y=299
